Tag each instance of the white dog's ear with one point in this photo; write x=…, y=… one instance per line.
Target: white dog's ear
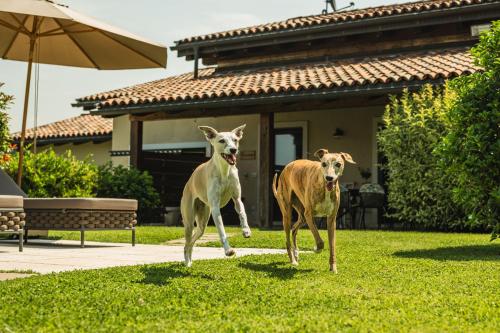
x=239, y=131
x=209, y=132
x=347, y=157
x=320, y=153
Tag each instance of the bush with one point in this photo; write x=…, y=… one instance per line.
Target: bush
x=47, y=175
x=471, y=150
x=419, y=192
x=5, y=100
x=122, y=182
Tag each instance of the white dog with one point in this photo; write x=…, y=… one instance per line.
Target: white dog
x=210, y=188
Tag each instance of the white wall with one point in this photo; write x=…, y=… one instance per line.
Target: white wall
x=99, y=152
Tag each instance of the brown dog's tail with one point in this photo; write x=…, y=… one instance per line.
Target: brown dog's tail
x=275, y=185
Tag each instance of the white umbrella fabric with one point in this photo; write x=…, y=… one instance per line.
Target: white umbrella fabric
x=62, y=36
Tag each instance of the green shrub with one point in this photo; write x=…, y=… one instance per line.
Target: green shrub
x=5, y=100
x=47, y=175
x=122, y=182
x=471, y=150
x=419, y=192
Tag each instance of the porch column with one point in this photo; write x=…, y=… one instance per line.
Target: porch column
x=136, y=143
x=266, y=168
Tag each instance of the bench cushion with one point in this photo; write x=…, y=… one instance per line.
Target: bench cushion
x=11, y=201
x=81, y=204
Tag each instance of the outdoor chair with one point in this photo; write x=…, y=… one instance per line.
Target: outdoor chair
x=345, y=208
x=371, y=196
x=77, y=214
x=12, y=217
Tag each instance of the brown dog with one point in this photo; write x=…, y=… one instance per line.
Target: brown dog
x=312, y=189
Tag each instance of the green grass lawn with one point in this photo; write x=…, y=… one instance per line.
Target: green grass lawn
x=387, y=282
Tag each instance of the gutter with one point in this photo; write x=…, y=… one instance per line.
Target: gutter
x=456, y=14
x=226, y=102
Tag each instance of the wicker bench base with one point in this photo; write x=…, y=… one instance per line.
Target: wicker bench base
x=80, y=220
x=12, y=222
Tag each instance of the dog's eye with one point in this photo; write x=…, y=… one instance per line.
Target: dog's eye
x=338, y=165
x=323, y=165
x=222, y=141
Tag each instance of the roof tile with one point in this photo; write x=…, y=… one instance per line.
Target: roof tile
x=212, y=83
x=84, y=125
x=338, y=17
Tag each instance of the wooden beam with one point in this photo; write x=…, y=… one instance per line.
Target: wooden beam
x=313, y=104
x=136, y=129
x=266, y=168
x=348, y=49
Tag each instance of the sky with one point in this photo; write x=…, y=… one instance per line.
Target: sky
x=162, y=21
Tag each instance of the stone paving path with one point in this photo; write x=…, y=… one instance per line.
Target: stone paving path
x=206, y=238
x=47, y=256
x=12, y=276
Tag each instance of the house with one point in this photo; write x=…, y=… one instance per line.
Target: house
x=83, y=135
x=319, y=81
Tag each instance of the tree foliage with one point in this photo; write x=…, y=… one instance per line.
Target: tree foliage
x=471, y=149
x=47, y=175
x=419, y=192
x=128, y=183
x=5, y=100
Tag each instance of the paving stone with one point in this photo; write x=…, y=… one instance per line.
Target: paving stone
x=47, y=256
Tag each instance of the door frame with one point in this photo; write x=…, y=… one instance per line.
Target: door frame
x=296, y=124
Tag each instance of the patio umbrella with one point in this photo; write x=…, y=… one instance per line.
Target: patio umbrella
x=45, y=32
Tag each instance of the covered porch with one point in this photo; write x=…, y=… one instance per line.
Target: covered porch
x=275, y=135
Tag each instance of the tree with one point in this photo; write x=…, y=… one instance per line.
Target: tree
x=419, y=191
x=5, y=147
x=470, y=152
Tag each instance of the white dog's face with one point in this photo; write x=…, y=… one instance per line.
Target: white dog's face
x=332, y=165
x=226, y=144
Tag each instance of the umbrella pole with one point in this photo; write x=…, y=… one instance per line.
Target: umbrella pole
x=25, y=112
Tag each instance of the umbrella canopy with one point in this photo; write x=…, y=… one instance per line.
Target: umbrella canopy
x=65, y=37
x=61, y=36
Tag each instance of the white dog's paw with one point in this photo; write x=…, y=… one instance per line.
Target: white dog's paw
x=188, y=263
x=295, y=263
x=230, y=252
x=333, y=268
x=246, y=232
x=296, y=253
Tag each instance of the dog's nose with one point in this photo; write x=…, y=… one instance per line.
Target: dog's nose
x=233, y=150
x=329, y=178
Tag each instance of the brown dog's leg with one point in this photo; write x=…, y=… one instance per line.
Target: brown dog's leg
x=310, y=223
x=295, y=229
x=332, y=226
x=287, y=223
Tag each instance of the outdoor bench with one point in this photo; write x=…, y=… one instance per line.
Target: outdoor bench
x=80, y=214
x=12, y=217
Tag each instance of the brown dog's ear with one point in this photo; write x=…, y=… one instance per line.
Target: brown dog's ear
x=347, y=158
x=239, y=131
x=209, y=132
x=320, y=153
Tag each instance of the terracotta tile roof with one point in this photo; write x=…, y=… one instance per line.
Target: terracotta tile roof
x=339, y=17
x=81, y=126
x=213, y=84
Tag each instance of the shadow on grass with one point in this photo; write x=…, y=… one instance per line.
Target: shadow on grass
x=163, y=275
x=280, y=270
x=490, y=252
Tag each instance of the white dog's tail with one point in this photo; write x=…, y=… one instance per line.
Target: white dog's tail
x=275, y=185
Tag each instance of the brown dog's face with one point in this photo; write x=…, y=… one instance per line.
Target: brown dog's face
x=332, y=165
